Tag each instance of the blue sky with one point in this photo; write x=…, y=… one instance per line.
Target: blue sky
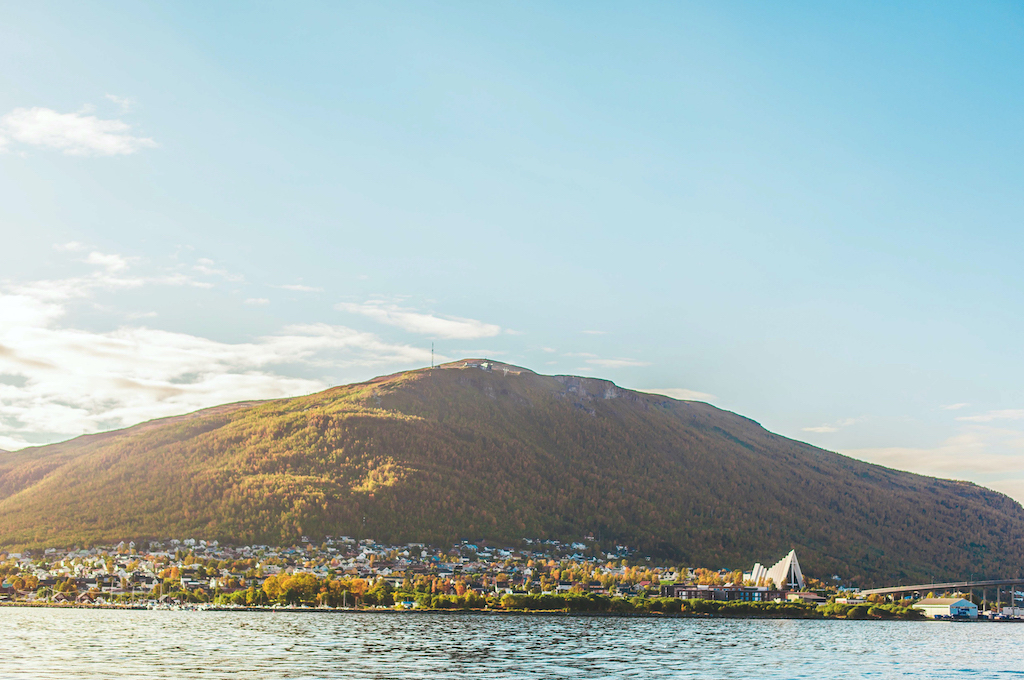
x=806, y=213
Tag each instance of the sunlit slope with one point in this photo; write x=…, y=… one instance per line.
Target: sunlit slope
x=460, y=452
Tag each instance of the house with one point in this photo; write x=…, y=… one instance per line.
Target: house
x=948, y=608
x=806, y=597
x=395, y=581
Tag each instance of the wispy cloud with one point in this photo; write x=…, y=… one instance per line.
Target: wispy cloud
x=40, y=302
x=206, y=266
x=110, y=262
x=77, y=134
x=970, y=452
x=954, y=407
x=1004, y=414
x=993, y=456
x=448, y=327
x=126, y=103
x=65, y=380
x=680, y=393
x=78, y=381
x=831, y=427
x=617, y=363
x=299, y=288
x=257, y=301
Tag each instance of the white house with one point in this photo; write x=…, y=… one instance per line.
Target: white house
x=955, y=607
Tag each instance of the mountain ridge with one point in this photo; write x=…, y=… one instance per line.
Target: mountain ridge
x=484, y=450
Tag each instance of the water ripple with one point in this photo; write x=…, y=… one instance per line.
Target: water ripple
x=87, y=644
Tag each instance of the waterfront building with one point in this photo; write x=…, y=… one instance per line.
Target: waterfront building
x=948, y=607
x=720, y=593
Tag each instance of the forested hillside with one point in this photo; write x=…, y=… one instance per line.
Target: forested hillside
x=463, y=452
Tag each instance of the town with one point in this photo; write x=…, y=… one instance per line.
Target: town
x=342, y=572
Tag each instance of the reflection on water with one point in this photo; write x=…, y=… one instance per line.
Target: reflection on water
x=86, y=643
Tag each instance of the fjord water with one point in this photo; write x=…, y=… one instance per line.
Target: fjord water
x=89, y=643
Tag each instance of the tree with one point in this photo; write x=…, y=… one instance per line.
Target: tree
x=272, y=588
x=357, y=587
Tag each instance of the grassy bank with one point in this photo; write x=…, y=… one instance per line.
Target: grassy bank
x=585, y=605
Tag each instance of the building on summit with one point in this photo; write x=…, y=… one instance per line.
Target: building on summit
x=786, y=574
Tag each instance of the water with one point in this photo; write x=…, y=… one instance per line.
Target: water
x=90, y=643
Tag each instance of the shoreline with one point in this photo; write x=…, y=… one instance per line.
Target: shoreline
x=477, y=612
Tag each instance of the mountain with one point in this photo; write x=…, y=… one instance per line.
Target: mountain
x=486, y=451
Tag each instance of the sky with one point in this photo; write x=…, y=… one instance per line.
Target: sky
x=807, y=213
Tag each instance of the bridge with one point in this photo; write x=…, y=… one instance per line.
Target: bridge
x=998, y=584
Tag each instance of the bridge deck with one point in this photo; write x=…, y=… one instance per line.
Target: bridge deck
x=941, y=587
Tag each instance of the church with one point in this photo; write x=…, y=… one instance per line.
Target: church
x=785, y=574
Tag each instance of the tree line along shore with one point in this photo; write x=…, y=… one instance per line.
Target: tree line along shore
x=562, y=605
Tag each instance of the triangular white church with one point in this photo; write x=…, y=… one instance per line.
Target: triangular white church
x=786, y=574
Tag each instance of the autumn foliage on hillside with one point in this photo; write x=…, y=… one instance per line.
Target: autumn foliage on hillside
x=464, y=453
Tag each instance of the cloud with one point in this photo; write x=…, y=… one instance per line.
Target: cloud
x=448, y=327
x=299, y=288
x=954, y=407
x=126, y=103
x=112, y=263
x=831, y=427
x=257, y=301
x=1004, y=414
x=971, y=451
x=205, y=266
x=71, y=381
x=1014, y=488
x=39, y=302
x=75, y=134
x=681, y=393
x=70, y=246
x=62, y=380
x=992, y=456
x=617, y=363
